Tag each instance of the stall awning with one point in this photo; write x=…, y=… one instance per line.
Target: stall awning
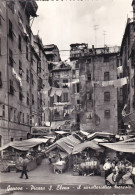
x=84, y=133
x=99, y=134
x=89, y=144
x=120, y=146
x=25, y=145
x=130, y=119
x=61, y=132
x=65, y=144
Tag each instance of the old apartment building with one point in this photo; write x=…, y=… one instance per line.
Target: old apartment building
x=96, y=102
x=127, y=55
x=21, y=80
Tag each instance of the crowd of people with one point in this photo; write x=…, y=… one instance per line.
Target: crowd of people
x=120, y=170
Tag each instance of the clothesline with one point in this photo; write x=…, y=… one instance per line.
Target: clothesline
x=116, y=83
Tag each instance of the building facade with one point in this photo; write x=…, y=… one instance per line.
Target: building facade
x=96, y=104
x=128, y=63
x=21, y=59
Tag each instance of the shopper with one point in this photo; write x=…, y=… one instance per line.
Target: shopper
x=24, y=170
x=107, y=167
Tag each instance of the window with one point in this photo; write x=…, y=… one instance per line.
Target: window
x=31, y=58
x=89, y=77
x=106, y=58
x=106, y=96
x=20, y=68
x=77, y=65
x=88, y=61
x=106, y=76
x=19, y=117
x=19, y=42
x=73, y=88
x=73, y=73
x=14, y=115
x=58, y=98
x=27, y=75
x=10, y=114
x=39, y=66
x=78, y=87
x=56, y=84
x=51, y=101
x=11, y=139
x=23, y=118
x=27, y=52
x=0, y=80
x=32, y=99
x=3, y=110
x=78, y=118
x=28, y=98
x=11, y=88
x=78, y=101
x=20, y=94
x=0, y=46
x=121, y=91
x=65, y=97
x=107, y=113
x=28, y=119
x=65, y=80
x=10, y=30
x=10, y=57
x=32, y=81
x=89, y=96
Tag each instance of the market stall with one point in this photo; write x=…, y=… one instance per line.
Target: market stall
x=86, y=158
x=12, y=152
x=61, y=150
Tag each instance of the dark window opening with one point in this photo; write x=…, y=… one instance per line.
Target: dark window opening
x=107, y=113
x=106, y=58
x=78, y=87
x=77, y=65
x=10, y=57
x=107, y=96
x=33, y=99
x=65, y=97
x=65, y=80
x=58, y=98
x=89, y=77
x=27, y=75
x=10, y=30
x=78, y=118
x=20, y=68
x=106, y=76
x=88, y=60
x=0, y=46
x=78, y=101
x=20, y=94
x=28, y=99
x=27, y=52
x=0, y=80
x=11, y=88
x=19, y=42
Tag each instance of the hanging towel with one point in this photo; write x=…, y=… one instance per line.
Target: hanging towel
x=58, y=92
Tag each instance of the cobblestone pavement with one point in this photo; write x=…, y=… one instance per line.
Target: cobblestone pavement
x=44, y=174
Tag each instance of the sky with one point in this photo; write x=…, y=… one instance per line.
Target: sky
x=74, y=21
